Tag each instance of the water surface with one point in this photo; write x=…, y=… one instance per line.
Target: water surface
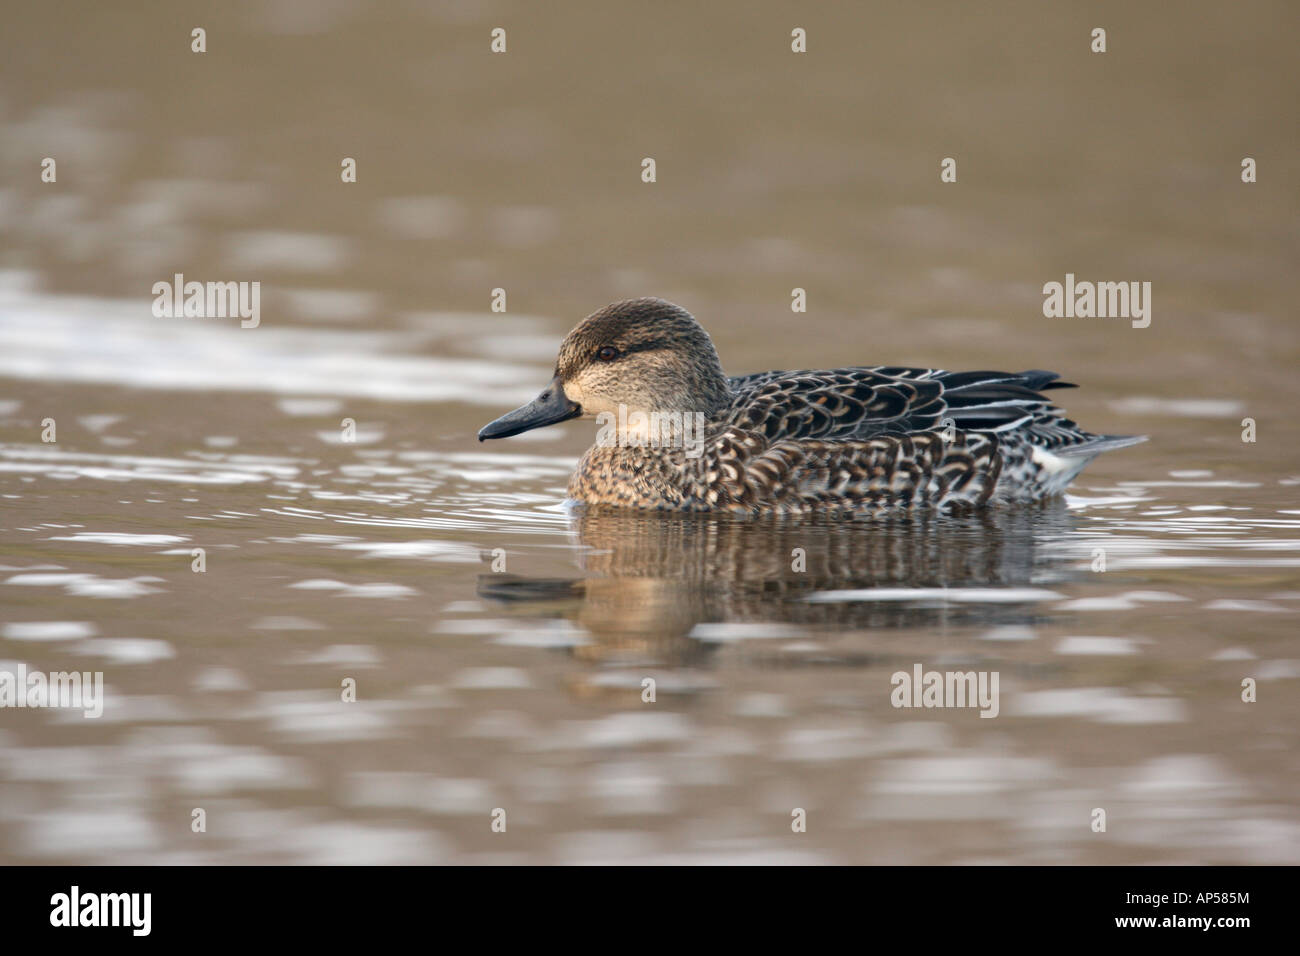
x=499, y=640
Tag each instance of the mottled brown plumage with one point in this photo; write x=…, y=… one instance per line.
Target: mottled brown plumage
x=677, y=434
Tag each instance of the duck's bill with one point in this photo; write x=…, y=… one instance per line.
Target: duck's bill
x=548, y=408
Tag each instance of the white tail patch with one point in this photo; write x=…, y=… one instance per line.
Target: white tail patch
x=1057, y=471
x=1054, y=464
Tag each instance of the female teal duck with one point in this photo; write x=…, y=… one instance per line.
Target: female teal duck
x=677, y=434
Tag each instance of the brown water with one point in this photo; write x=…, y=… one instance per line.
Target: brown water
x=520, y=687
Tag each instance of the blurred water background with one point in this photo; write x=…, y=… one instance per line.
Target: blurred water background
x=521, y=688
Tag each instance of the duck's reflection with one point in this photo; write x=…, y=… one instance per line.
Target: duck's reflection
x=651, y=579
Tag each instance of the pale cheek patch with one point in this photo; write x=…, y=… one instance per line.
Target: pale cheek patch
x=590, y=406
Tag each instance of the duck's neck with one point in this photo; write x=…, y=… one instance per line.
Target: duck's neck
x=713, y=388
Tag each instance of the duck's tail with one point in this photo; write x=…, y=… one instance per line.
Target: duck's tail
x=1043, y=450
x=1032, y=470
x=1097, y=444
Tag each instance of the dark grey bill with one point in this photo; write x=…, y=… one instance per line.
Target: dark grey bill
x=546, y=409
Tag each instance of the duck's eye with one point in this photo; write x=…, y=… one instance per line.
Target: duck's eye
x=607, y=353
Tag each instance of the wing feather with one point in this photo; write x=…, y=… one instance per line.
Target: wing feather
x=864, y=402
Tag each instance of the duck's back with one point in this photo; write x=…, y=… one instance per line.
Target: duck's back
x=882, y=437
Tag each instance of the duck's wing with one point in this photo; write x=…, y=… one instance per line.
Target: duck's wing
x=865, y=402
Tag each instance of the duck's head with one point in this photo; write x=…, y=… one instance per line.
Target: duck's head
x=647, y=355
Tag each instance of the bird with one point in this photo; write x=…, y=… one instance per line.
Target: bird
x=677, y=434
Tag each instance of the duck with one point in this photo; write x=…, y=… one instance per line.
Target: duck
x=677, y=434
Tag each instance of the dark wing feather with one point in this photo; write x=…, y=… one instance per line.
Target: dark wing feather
x=835, y=404
x=865, y=402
